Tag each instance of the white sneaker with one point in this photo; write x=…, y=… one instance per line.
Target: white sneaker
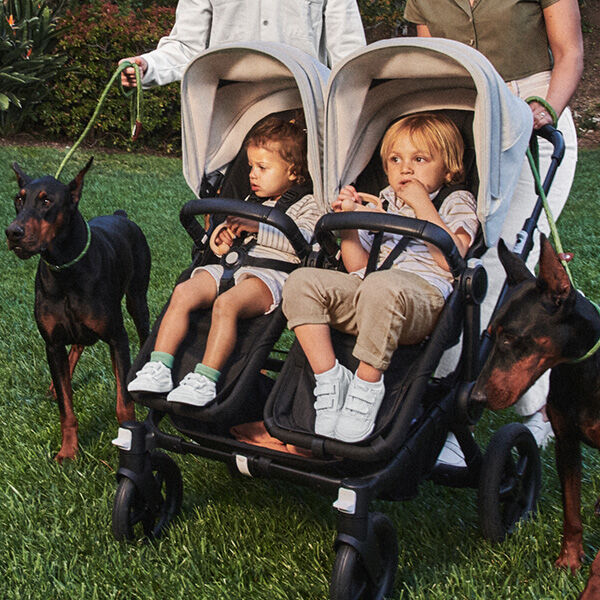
x=541, y=430
x=194, y=389
x=330, y=393
x=451, y=453
x=357, y=417
x=154, y=377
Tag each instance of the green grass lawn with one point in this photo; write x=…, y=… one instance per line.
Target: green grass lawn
x=236, y=538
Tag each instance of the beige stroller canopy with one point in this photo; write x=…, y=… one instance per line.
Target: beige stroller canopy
x=390, y=78
x=226, y=90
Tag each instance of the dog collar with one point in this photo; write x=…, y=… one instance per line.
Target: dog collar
x=77, y=258
x=594, y=348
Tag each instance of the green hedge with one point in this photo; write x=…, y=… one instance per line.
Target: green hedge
x=98, y=36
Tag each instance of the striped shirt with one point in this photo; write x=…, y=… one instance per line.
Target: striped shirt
x=458, y=211
x=272, y=243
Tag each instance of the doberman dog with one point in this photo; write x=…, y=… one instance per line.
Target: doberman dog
x=547, y=324
x=83, y=273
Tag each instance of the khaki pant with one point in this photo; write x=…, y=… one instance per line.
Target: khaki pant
x=386, y=309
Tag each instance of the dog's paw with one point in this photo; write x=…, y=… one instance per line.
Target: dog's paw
x=570, y=557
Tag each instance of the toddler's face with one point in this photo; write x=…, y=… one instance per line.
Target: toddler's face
x=407, y=162
x=270, y=175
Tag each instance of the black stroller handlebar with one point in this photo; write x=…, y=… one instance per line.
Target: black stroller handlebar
x=269, y=215
x=555, y=137
x=375, y=221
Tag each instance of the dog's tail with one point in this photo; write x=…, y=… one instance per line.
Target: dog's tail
x=120, y=213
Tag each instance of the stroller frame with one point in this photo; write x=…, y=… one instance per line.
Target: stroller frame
x=150, y=485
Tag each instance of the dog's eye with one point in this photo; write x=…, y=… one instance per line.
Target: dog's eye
x=18, y=202
x=507, y=339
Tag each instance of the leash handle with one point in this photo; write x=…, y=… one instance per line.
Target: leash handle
x=136, y=128
x=546, y=105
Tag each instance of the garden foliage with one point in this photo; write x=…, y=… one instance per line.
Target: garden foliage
x=98, y=35
x=28, y=36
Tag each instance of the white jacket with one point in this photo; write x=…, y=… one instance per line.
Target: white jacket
x=326, y=29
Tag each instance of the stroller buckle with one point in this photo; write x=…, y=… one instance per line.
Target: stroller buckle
x=231, y=258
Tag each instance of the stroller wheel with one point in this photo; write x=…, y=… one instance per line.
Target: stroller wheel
x=510, y=481
x=350, y=579
x=134, y=516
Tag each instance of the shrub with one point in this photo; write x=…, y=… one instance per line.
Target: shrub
x=28, y=36
x=381, y=18
x=98, y=36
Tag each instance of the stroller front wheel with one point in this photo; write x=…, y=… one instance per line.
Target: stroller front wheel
x=135, y=516
x=510, y=481
x=350, y=579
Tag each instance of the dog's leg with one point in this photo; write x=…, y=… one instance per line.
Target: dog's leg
x=59, y=369
x=568, y=464
x=137, y=307
x=592, y=588
x=74, y=355
x=119, y=354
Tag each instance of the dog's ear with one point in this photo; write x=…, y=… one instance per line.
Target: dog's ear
x=22, y=178
x=516, y=271
x=76, y=185
x=552, y=272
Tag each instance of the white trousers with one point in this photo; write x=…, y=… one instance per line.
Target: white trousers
x=521, y=206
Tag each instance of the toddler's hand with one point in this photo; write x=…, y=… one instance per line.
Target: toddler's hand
x=224, y=236
x=412, y=192
x=347, y=199
x=238, y=224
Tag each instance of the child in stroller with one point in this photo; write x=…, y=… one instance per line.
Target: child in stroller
x=276, y=151
x=422, y=159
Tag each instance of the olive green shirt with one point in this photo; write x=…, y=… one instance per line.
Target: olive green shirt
x=510, y=33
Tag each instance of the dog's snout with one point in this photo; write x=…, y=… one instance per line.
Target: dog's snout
x=14, y=232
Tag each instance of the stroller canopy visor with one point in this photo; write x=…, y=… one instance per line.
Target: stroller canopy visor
x=391, y=78
x=226, y=90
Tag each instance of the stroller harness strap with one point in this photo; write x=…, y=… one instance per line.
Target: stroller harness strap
x=238, y=256
x=444, y=192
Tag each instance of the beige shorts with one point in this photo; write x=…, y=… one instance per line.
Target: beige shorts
x=384, y=310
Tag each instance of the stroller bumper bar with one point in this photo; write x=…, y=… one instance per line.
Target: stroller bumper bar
x=415, y=228
x=239, y=208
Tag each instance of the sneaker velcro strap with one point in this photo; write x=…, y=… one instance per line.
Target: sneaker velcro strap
x=324, y=401
x=358, y=405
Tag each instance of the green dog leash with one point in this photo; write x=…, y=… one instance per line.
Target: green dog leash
x=135, y=109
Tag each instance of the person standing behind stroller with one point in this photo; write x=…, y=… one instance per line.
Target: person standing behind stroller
x=537, y=48
x=421, y=155
x=277, y=156
x=326, y=29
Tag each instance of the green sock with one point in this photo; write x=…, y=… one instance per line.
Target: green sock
x=208, y=372
x=163, y=357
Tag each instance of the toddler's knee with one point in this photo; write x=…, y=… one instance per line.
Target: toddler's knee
x=376, y=290
x=298, y=285
x=179, y=297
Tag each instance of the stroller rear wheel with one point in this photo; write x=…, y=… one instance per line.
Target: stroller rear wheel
x=510, y=481
x=134, y=516
x=350, y=579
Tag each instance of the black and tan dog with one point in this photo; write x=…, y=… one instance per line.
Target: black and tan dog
x=548, y=324
x=83, y=274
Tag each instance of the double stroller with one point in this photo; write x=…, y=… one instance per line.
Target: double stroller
x=225, y=91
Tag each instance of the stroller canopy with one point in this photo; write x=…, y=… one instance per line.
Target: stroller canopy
x=391, y=78
x=226, y=90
